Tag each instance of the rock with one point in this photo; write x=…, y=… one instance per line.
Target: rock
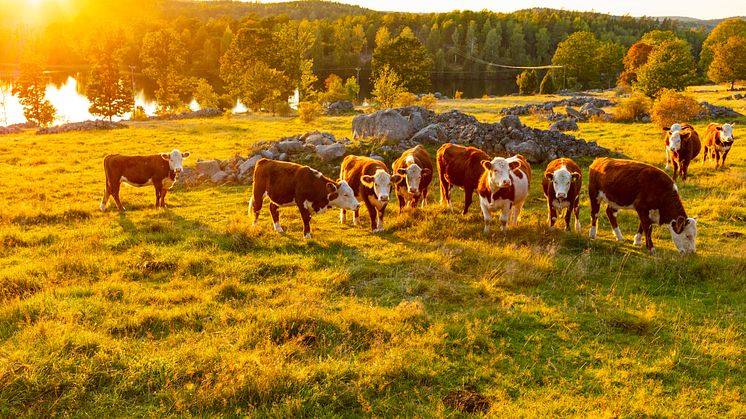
x=340, y=107
x=717, y=111
x=511, y=122
x=417, y=121
x=431, y=134
x=376, y=157
x=207, y=168
x=530, y=150
x=574, y=113
x=317, y=138
x=82, y=126
x=247, y=167
x=269, y=154
x=219, y=177
x=283, y=157
x=330, y=152
x=291, y=146
x=564, y=125
x=645, y=119
x=387, y=124
x=202, y=113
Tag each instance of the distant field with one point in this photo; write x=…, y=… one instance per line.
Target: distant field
x=192, y=311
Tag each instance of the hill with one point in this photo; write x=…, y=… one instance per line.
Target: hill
x=296, y=10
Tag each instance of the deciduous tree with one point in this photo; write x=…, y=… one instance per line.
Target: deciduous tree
x=407, y=58
x=729, y=61
x=31, y=89
x=108, y=91
x=670, y=65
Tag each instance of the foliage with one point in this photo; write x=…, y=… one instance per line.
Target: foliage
x=163, y=56
x=335, y=90
x=405, y=99
x=108, y=91
x=670, y=65
x=528, y=82
x=408, y=58
x=729, y=61
x=386, y=87
x=720, y=35
x=588, y=61
x=352, y=87
x=205, y=95
x=31, y=90
x=309, y=111
x=427, y=101
x=547, y=86
x=296, y=39
x=672, y=107
x=458, y=94
x=139, y=114
x=636, y=57
x=609, y=59
x=633, y=108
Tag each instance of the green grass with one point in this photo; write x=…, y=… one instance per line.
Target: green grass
x=192, y=311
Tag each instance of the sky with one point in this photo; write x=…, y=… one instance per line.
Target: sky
x=700, y=9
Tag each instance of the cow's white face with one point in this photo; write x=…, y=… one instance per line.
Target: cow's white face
x=380, y=183
x=675, y=127
x=726, y=133
x=499, y=171
x=175, y=158
x=413, y=175
x=685, y=240
x=562, y=180
x=674, y=142
x=342, y=196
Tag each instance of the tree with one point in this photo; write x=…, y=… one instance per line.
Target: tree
x=578, y=55
x=729, y=62
x=263, y=87
x=527, y=82
x=386, y=87
x=408, y=58
x=31, y=89
x=636, y=57
x=720, y=35
x=205, y=95
x=292, y=59
x=547, y=86
x=609, y=59
x=383, y=36
x=352, y=87
x=670, y=65
x=110, y=93
x=164, y=59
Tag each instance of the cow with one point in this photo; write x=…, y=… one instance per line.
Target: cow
x=628, y=184
x=416, y=169
x=503, y=185
x=372, y=184
x=683, y=143
x=561, y=184
x=718, y=141
x=159, y=170
x=287, y=184
x=459, y=166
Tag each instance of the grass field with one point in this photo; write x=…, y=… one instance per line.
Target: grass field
x=192, y=311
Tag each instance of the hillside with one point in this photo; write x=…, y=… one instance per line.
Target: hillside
x=296, y=10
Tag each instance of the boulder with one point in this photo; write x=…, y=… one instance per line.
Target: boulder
x=387, y=124
x=317, y=138
x=511, y=122
x=572, y=112
x=530, y=150
x=330, y=152
x=219, y=177
x=564, y=125
x=269, y=154
x=247, y=167
x=431, y=134
x=340, y=107
x=376, y=157
x=291, y=146
x=208, y=168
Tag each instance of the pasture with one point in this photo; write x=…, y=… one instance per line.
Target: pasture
x=192, y=311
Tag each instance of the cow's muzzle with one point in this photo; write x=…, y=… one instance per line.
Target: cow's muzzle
x=561, y=196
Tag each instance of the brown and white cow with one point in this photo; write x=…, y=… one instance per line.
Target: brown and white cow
x=682, y=146
x=372, y=184
x=287, y=184
x=416, y=169
x=718, y=141
x=459, y=166
x=561, y=184
x=628, y=184
x=503, y=185
x=159, y=170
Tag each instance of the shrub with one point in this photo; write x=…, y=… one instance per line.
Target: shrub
x=386, y=88
x=428, y=101
x=547, y=86
x=671, y=107
x=633, y=108
x=405, y=99
x=335, y=90
x=527, y=82
x=283, y=108
x=457, y=94
x=139, y=114
x=309, y=111
x=352, y=87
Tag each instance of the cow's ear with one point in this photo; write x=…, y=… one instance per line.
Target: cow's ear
x=185, y=155
x=576, y=176
x=426, y=172
x=549, y=176
x=165, y=156
x=487, y=164
x=331, y=187
x=666, y=128
x=719, y=128
x=367, y=180
x=514, y=165
x=402, y=171
x=679, y=224
x=397, y=178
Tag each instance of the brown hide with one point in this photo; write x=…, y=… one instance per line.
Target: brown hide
x=422, y=159
x=459, y=166
x=139, y=171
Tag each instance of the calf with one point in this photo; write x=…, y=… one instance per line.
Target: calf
x=503, y=185
x=288, y=184
x=459, y=166
x=561, y=184
x=371, y=183
x=683, y=142
x=159, y=170
x=646, y=189
x=718, y=141
x=416, y=169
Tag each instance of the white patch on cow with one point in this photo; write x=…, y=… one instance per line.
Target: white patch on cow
x=592, y=232
x=499, y=176
x=307, y=235
x=488, y=206
x=175, y=159
x=578, y=228
x=414, y=176
x=655, y=216
x=379, y=224
x=674, y=142
x=686, y=241
x=410, y=159
x=137, y=185
x=638, y=239
x=102, y=207
x=668, y=159
x=278, y=228
x=381, y=185
x=613, y=204
x=675, y=128
x=316, y=173
x=308, y=205
x=726, y=135
x=562, y=180
x=342, y=216
x=345, y=198
x=618, y=234
x=484, y=204
x=675, y=188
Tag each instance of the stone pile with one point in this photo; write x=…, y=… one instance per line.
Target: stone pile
x=341, y=107
x=593, y=102
x=737, y=96
x=714, y=111
x=202, y=113
x=82, y=126
x=10, y=129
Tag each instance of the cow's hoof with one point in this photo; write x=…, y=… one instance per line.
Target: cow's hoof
x=652, y=251
x=278, y=228
x=102, y=207
x=638, y=239
x=486, y=230
x=307, y=235
x=592, y=233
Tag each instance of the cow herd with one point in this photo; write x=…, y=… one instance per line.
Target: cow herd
x=501, y=183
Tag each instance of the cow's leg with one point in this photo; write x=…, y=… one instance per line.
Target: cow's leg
x=516, y=211
x=485, y=214
x=638, y=236
x=373, y=215
x=356, y=217
x=611, y=214
x=255, y=205
x=675, y=169
x=445, y=192
x=552, y=214
x=163, y=197
x=647, y=227
x=505, y=215
x=342, y=216
x=468, y=192
x=400, y=197
x=423, y=203
x=105, y=199
x=274, y=210
x=115, y=194
x=576, y=209
x=684, y=168
x=158, y=187
x=725, y=154
x=717, y=157
x=668, y=159
x=381, y=212
x=568, y=216
x=305, y=215
x=704, y=155
x=595, y=208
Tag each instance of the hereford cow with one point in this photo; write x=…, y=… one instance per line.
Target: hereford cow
x=287, y=184
x=503, y=185
x=416, y=169
x=459, y=166
x=561, y=183
x=159, y=170
x=627, y=184
x=683, y=143
x=718, y=141
x=372, y=184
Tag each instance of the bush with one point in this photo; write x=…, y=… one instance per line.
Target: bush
x=547, y=86
x=457, y=94
x=309, y=111
x=139, y=114
x=527, y=82
x=633, y=108
x=404, y=99
x=673, y=107
x=283, y=108
x=428, y=101
x=352, y=87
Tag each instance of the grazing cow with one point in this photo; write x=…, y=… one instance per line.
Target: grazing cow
x=503, y=185
x=561, y=183
x=627, y=184
x=683, y=143
x=718, y=141
x=159, y=170
x=287, y=184
x=459, y=166
x=416, y=169
x=372, y=184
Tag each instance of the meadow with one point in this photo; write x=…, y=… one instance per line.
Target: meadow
x=193, y=311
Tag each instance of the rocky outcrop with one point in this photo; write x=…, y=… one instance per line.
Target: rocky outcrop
x=82, y=126
x=714, y=111
x=564, y=125
x=341, y=107
x=391, y=124
x=548, y=106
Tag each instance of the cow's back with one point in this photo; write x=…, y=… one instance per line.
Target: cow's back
x=353, y=168
x=690, y=142
x=626, y=181
x=712, y=134
x=136, y=169
x=461, y=165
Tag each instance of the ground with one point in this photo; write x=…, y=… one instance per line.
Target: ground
x=192, y=311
